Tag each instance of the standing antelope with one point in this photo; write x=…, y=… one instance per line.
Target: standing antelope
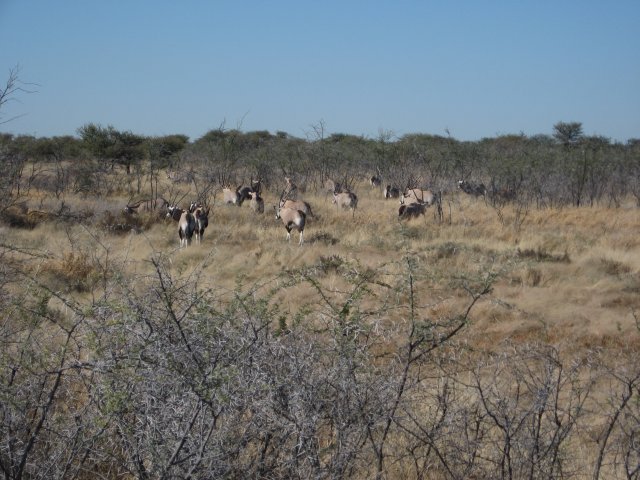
x=291, y=218
x=331, y=186
x=375, y=181
x=411, y=210
x=186, y=228
x=244, y=194
x=256, y=185
x=175, y=212
x=256, y=203
x=391, y=192
x=291, y=189
x=346, y=200
x=416, y=195
x=201, y=218
x=230, y=196
x=301, y=205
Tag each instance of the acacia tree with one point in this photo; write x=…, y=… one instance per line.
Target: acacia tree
x=115, y=147
x=568, y=133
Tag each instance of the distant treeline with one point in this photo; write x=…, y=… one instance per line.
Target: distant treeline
x=566, y=168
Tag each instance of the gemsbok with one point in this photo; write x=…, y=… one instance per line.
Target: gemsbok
x=256, y=185
x=477, y=190
x=391, y=192
x=231, y=196
x=375, y=181
x=201, y=218
x=148, y=205
x=175, y=212
x=256, y=203
x=290, y=189
x=411, y=210
x=417, y=195
x=295, y=204
x=186, y=228
x=346, y=200
x=329, y=187
x=292, y=218
x=244, y=194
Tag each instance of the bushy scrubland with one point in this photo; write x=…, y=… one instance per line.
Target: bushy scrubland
x=496, y=340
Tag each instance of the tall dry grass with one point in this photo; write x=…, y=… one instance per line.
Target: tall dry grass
x=573, y=272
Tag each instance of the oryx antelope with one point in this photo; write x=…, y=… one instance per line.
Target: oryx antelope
x=375, y=181
x=391, y=192
x=417, y=195
x=331, y=186
x=201, y=218
x=301, y=205
x=231, y=196
x=469, y=188
x=175, y=212
x=411, y=210
x=256, y=203
x=346, y=200
x=292, y=218
x=186, y=228
x=244, y=194
x=290, y=189
x=256, y=185
x=146, y=205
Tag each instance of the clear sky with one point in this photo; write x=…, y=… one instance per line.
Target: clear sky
x=475, y=68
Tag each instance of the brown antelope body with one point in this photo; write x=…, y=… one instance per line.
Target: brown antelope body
x=477, y=190
x=411, y=210
x=391, y=192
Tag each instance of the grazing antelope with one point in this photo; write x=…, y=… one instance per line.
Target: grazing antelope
x=291, y=218
x=391, y=192
x=201, y=218
x=346, y=200
x=186, y=228
x=175, y=212
x=477, y=190
x=147, y=205
x=412, y=210
x=256, y=203
x=416, y=195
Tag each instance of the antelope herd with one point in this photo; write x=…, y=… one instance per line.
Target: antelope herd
x=293, y=212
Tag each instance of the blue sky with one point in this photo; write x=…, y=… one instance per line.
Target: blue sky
x=475, y=68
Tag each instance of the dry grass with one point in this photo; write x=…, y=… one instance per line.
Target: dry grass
x=570, y=272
